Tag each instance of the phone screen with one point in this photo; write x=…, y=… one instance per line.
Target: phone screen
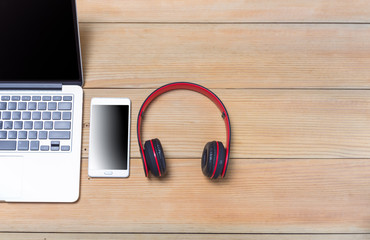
x=110, y=137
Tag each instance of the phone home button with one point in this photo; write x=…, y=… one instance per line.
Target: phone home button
x=108, y=173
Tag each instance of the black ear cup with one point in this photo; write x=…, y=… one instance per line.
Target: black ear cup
x=155, y=157
x=213, y=159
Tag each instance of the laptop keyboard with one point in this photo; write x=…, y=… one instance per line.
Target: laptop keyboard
x=35, y=123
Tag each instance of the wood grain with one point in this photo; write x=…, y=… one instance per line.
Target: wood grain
x=223, y=11
x=265, y=123
x=79, y=236
x=226, y=56
x=258, y=196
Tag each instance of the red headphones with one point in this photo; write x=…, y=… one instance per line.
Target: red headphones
x=215, y=157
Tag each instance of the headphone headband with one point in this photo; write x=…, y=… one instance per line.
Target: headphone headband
x=186, y=86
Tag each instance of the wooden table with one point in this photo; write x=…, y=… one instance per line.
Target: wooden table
x=295, y=77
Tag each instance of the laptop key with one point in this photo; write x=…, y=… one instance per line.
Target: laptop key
x=22, y=106
x=8, y=145
x=67, y=116
x=43, y=135
x=54, y=148
x=55, y=145
x=1, y=124
x=41, y=106
x=46, y=115
x=2, y=105
x=67, y=98
x=36, y=115
x=12, y=106
x=35, y=145
x=52, y=106
x=36, y=98
x=22, y=134
x=8, y=125
x=7, y=115
x=32, y=135
x=59, y=135
x=64, y=106
x=38, y=125
x=26, y=98
x=28, y=125
x=12, y=135
x=31, y=106
x=56, y=115
x=26, y=115
x=44, y=148
x=16, y=98
x=23, y=145
x=62, y=125
x=3, y=134
x=5, y=98
x=16, y=115
x=48, y=125
x=18, y=125
x=65, y=148
x=57, y=98
x=46, y=98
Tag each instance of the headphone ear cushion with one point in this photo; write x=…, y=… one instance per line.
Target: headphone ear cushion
x=213, y=159
x=155, y=157
x=160, y=155
x=221, y=160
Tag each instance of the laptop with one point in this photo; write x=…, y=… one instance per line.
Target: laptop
x=40, y=101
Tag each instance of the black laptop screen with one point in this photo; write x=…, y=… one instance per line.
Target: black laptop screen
x=39, y=41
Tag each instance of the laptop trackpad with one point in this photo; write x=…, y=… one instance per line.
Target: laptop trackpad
x=11, y=169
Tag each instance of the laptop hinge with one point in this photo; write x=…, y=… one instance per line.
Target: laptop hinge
x=32, y=86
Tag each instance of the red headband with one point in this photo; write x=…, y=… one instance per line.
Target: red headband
x=187, y=86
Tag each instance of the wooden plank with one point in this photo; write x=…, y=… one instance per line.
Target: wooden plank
x=79, y=236
x=219, y=11
x=226, y=56
x=258, y=196
x=265, y=123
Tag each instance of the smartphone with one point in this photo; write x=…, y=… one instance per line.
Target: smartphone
x=109, y=150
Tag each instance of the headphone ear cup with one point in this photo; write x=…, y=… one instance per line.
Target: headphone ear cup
x=206, y=164
x=213, y=159
x=155, y=157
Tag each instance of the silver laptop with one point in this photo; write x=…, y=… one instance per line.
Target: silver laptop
x=40, y=101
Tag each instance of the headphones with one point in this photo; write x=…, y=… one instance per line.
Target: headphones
x=215, y=156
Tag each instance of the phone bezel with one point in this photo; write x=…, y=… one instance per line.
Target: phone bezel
x=92, y=156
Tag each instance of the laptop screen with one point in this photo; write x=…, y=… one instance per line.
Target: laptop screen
x=39, y=42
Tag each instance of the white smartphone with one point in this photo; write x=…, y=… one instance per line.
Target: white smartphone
x=109, y=151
